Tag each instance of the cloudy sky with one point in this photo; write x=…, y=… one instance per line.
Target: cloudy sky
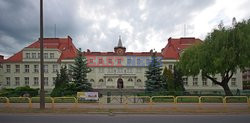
x=97, y=24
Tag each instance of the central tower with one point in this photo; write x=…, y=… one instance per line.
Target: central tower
x=119, y=49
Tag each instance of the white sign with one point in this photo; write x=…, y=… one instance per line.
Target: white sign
x=88, y=95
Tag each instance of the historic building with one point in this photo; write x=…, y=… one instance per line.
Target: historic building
x=171, y=54
x=110, y=70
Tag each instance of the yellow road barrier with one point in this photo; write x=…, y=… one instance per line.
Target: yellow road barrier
x=218, y=97
x=7, y=103
x=19, y=98
x=153, y=97
x=228, y=97
x=75, y=100
x=178, y=97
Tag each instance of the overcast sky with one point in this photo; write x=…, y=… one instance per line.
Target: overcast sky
x=97, y=24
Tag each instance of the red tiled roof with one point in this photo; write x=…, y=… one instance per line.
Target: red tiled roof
x=65, y=45
x=176, y=46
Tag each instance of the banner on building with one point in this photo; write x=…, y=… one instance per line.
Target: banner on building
x=88, y=95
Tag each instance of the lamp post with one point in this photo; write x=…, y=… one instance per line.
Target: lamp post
x=42, y=95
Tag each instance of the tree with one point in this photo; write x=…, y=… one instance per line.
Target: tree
x=154, y=79
x=168, y=77
x=79, y=73
x=173, y=79
x=178, y=81
x=224, y=51
x=61, y=83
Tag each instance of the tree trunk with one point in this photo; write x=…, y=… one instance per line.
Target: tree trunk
x=227, y=90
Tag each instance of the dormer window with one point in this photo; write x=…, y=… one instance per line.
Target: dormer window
x=33, y=55
x=28, y=55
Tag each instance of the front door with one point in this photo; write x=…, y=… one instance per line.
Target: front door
x=120, y=83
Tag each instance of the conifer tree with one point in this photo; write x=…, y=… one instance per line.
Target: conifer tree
x=79, y=73
x=61, y=82
x=154, y=79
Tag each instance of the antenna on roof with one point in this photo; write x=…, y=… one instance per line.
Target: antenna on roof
x=55, y=30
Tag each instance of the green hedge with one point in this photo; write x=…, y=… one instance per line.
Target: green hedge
x=19, y=91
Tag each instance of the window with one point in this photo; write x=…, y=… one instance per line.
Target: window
x=128, y=61
x=17, y=68
x=7, y=68
x=138, y=62
x=33, y=55
x=46, y=69
x=92, y=80
x=195, y=81
x=110, y=61
x=120, y=70
x=46, y=55
x=26, y=81
x=129, y=70
x=51, y=55
x=101, y=80
x=138, y=70
x=119, y=61
x=36, y=83
x=110, y=70
x=110, y=80
x=100, y=61
x=91, y=61
x=204, y=81
x=46, y=81
x=8, y=81
x=233, y=82
x=170, y=67
x=101, y=70
x=55, y=67
x=26, y=68
x=54, y=80
x=38, y=55
x=138, y=80
x=36, y=70
x=17, y=81
x=28, y=55
x=130, y=80
x=148, y=61
x=185, y=81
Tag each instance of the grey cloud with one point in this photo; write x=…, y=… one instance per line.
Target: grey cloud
x=19, y=21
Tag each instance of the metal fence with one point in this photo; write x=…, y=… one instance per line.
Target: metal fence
x=127, y=100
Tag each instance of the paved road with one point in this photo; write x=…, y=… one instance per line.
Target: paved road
x=79, y=118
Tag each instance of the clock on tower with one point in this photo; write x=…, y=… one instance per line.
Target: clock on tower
x=120, y=50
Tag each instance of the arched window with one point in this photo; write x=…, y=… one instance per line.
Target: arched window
x=110, y=80
x=130, y=80
x=138, y=80
x=92, y=80
x=101, y=80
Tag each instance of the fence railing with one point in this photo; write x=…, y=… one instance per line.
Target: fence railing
x=130, y=100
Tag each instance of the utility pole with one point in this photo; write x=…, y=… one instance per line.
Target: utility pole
x=42, y=95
